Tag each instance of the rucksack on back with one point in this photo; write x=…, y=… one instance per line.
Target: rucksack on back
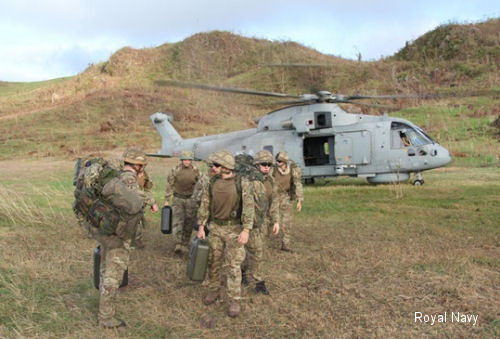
x=91, y=175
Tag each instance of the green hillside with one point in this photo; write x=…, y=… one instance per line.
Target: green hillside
x=108, y=105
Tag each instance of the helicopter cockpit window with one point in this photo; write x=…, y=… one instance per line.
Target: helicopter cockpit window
x=405, y=136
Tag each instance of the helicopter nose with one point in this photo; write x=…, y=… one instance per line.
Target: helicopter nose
x=442, y=156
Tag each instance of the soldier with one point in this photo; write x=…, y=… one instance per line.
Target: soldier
x=146, y=184
x=116, y=247
x=255, y=246
x=287, y=176
x=228, y=205
x=180, y=183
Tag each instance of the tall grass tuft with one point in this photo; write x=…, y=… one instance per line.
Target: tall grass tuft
x=20, y=208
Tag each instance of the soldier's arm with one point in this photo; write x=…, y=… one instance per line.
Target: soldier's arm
x=148, y=186
x=204, y=210
x=247, y=198
x=299, y=190
x=275, y=205
x=170, y=185
x=199, y=187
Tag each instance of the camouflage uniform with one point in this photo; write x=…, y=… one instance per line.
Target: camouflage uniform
x=225, y=230
x=181, y=183
x=255, y=245
x=116, y=252
x=289, y=189
x=146, y=185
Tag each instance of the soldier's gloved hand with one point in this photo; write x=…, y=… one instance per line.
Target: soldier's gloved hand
x=154, y=208
x=201, y=232
x=299, y=205
x=276, y=228
x=243, y=237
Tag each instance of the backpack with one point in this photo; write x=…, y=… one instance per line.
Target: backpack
x=91, y=176
x=244, y=168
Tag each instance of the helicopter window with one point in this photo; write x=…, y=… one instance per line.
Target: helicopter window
x=403, y=136
x=269, y=148
x=323, y=119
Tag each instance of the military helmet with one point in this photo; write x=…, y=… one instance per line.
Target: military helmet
x=282, y=156
x=263, y=156
x=224, y=158
x=134, y=155
x=186, y=155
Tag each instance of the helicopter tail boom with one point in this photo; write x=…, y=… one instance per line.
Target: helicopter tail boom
x=170, y=139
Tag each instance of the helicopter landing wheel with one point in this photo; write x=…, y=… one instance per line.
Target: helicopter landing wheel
x=309, y=181
x=418, y=182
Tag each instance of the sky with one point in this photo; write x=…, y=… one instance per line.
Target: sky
x=47, y=39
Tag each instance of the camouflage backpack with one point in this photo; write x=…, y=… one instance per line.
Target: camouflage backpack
x=91, y=176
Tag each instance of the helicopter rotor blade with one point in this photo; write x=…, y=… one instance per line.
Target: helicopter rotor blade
x=222, y=89
x=392, y=108
x=395, y=96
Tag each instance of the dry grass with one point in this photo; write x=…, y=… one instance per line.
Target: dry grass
x=366, y=259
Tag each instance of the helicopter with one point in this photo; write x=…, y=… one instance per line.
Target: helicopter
x=321, y=137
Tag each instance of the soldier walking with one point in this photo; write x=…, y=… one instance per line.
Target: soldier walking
x=255, y=246
x=180, y=183
x=287, y=176
x=228, y=206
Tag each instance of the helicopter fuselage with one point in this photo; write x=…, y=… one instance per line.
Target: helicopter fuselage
x=324, y=141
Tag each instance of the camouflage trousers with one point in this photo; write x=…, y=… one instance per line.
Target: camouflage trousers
x=183, y=216
x=114, y=262
x=286, y=217
x=223, y=241
x=141, y=227
x=255, y=253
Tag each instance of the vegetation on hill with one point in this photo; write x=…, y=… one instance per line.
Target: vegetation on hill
x=108, y=105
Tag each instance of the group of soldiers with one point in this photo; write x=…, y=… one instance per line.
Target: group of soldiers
x=219, y=200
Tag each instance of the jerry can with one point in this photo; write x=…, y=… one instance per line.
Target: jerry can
x=198, y=259
x=166, y=220
x=97, y=269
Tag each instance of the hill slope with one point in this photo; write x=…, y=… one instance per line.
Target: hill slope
x=107, y=106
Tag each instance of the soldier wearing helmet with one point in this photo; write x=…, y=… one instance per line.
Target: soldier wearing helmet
x=287, y=176
x=116, y=247
x=227, y=205
x=180, y=184
x=135, y=156
x=263, y=161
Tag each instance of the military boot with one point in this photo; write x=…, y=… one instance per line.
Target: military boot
x=260, y=287
x=234, y=309
x=112, y=323
x=210, y=297
x=285, y=248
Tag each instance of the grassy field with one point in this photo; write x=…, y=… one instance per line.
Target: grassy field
x=367, y=258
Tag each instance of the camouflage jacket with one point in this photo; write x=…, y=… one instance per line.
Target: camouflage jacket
x=169, y=191
x=146, y=184
x=201, y=184
x=296, y=190
x=273, y=212
x=127, y=229
x=246, y=199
